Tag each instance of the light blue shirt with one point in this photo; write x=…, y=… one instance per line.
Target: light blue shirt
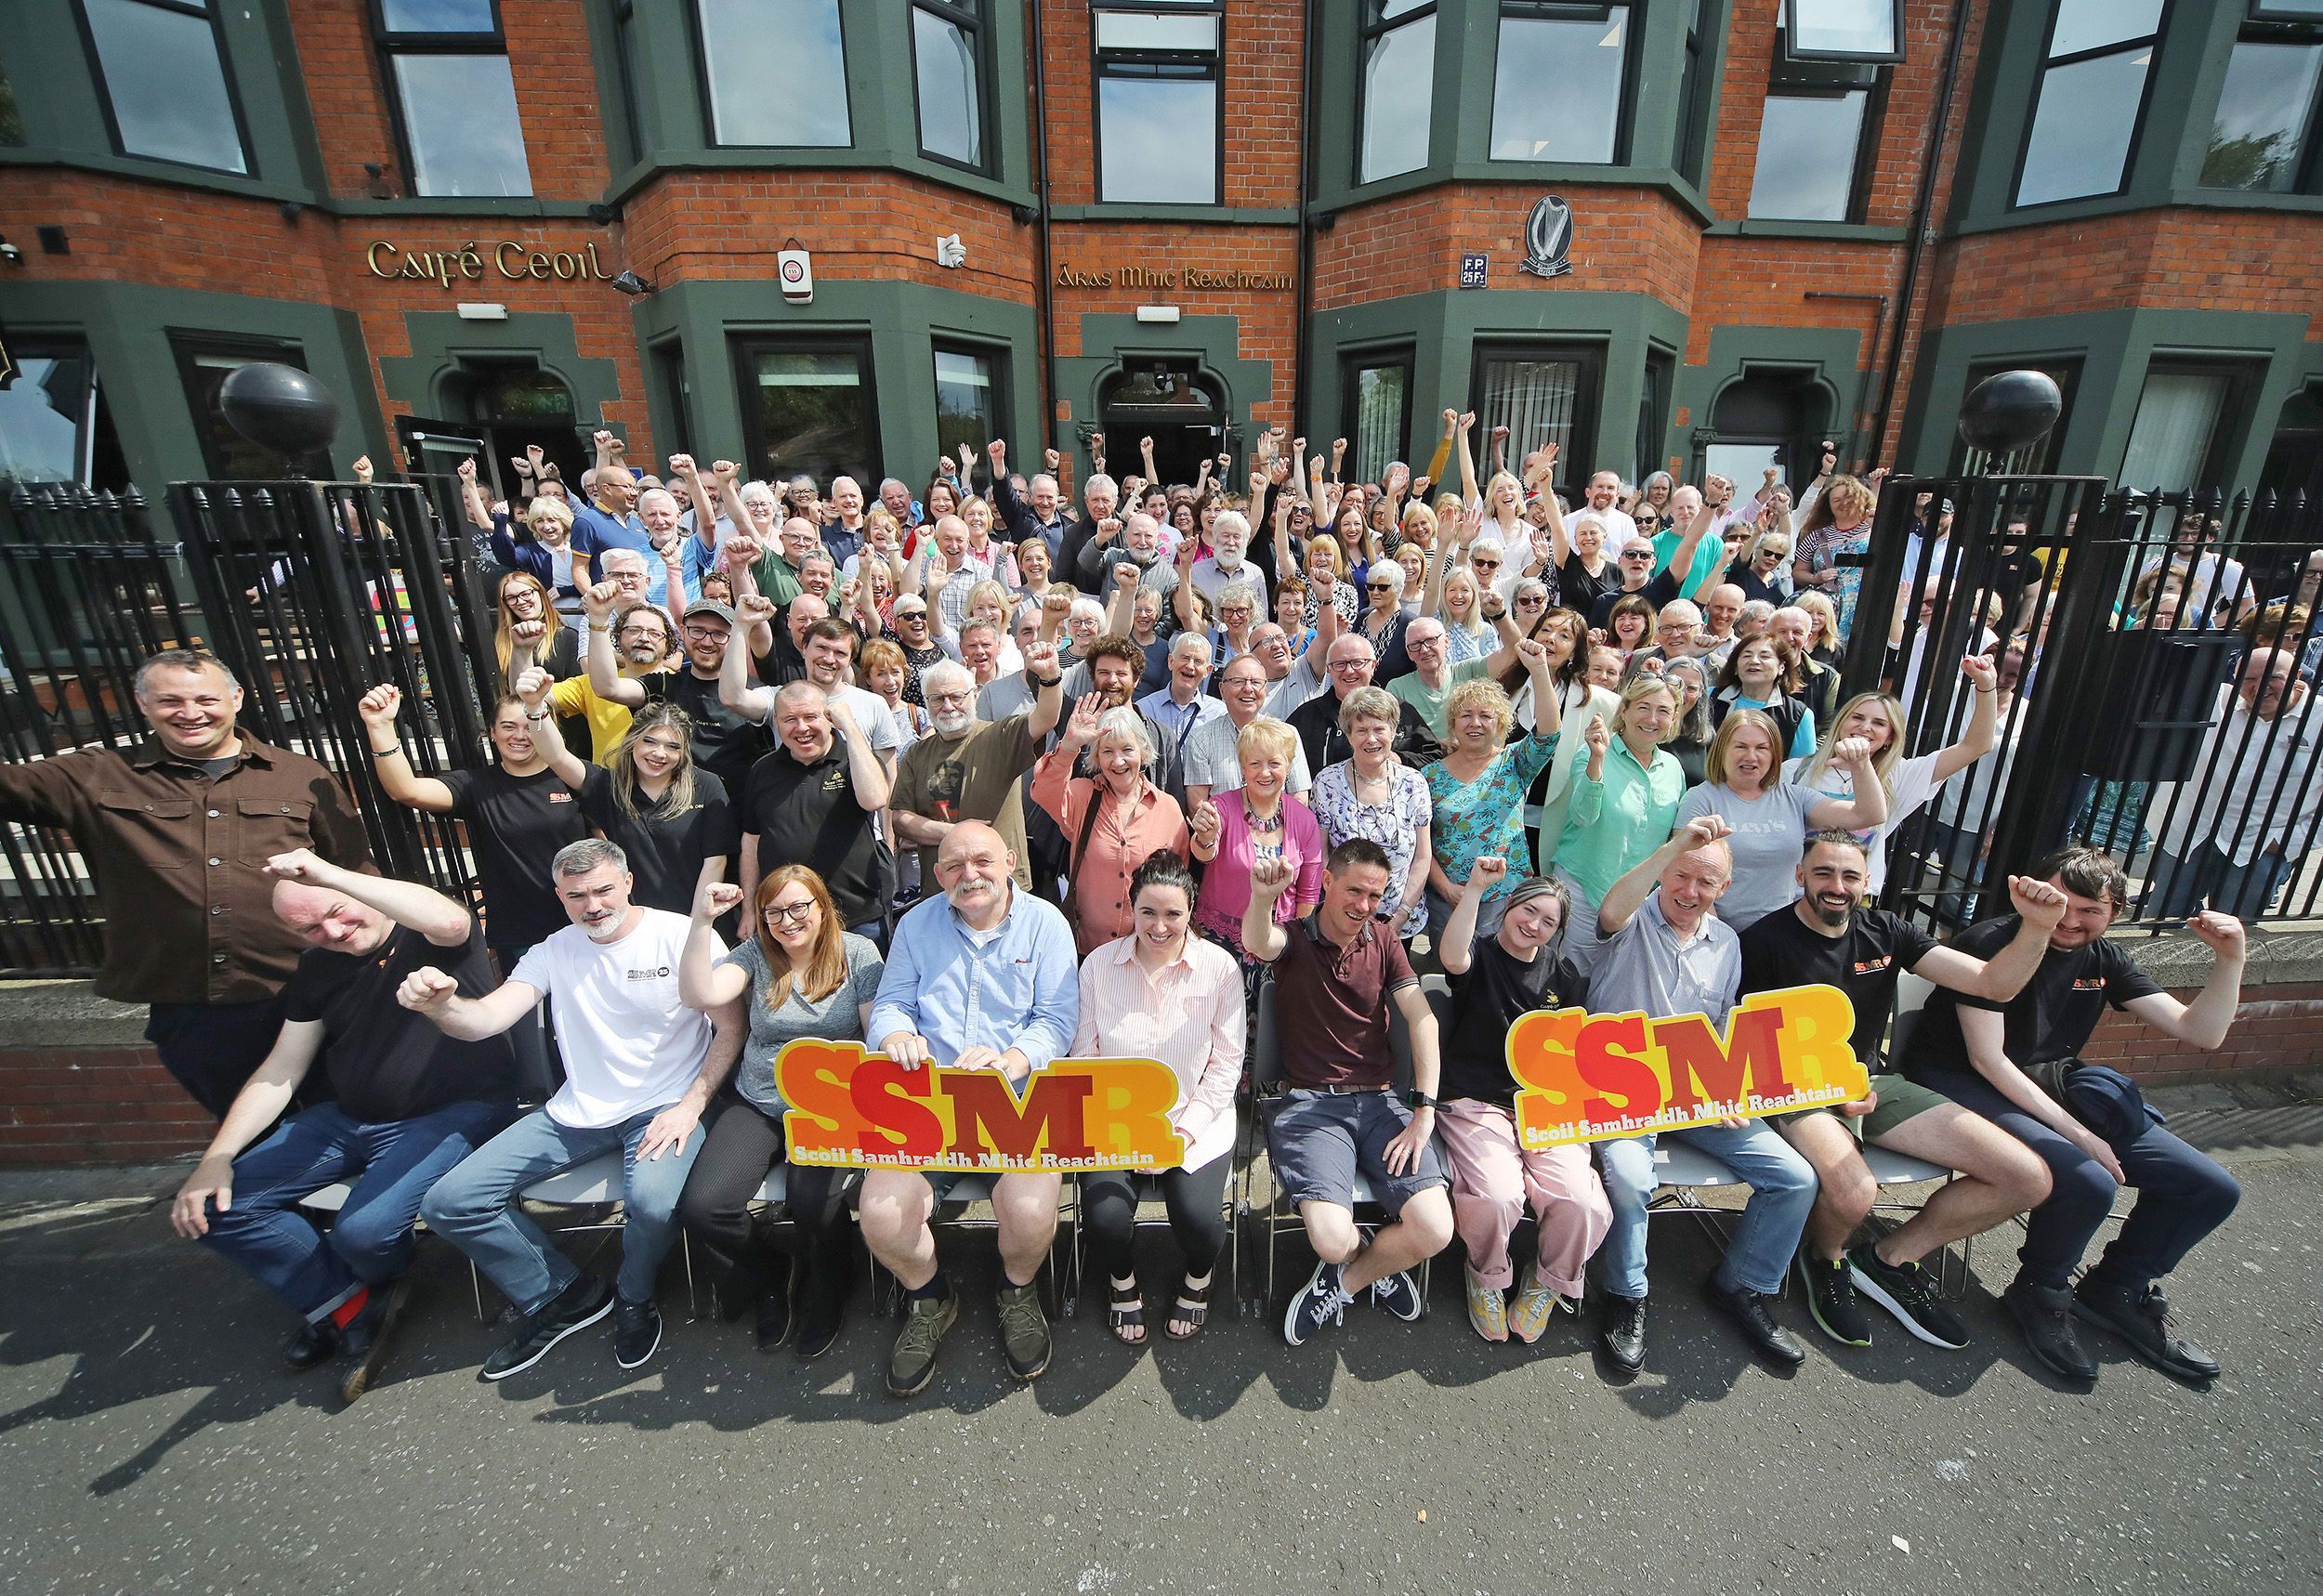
x=1017, y=987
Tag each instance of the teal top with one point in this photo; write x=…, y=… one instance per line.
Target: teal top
x=1617, y=820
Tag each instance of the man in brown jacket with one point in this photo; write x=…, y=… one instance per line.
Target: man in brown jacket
x=176, y=831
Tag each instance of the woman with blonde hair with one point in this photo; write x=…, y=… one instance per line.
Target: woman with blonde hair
x=1477, y=790
x=522, y=599
x=1767, y=818
x=799, y=975
x=1232, y=830
x=1625, y=802
x=1824, y=643
x=549, y=558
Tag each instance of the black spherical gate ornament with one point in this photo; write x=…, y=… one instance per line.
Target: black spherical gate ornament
x=2008, y=410
x=280, y=407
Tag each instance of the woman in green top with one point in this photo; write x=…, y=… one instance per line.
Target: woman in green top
x=1477, y=789
x=1624, y=803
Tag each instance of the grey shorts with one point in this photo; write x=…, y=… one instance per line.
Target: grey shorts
x=1901, y=1099
x=1320, y=1140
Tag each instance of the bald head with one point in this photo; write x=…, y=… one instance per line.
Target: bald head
x=330, y=920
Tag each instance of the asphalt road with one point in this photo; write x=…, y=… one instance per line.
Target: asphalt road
x=150, y=1441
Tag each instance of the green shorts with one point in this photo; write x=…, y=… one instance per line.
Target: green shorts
x=1901, y=1098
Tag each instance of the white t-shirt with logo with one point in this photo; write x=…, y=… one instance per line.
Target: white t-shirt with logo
x=628, y=1044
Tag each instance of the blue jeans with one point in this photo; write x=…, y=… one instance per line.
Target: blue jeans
x=2243, y=891
x=1782, y=1190
x=475, y=1205
x=388, y=1165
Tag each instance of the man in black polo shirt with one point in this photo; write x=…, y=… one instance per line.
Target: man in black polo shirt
x=814, y=801
x=1829, y=938
x=1335, y=973
x=2019, y=1064
x=411, y=1103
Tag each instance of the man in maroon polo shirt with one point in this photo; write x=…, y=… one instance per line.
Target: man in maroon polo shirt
x=1335, y=972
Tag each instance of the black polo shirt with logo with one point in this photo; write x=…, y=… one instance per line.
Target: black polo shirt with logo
x=1865, y=961
x=806, y=815
x=2050, y=1020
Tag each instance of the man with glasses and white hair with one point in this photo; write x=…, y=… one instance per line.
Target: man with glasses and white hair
x=641, y=1067
x=1213, y=762
x=1432, y=677
x=967, y=769
x=1351, y=664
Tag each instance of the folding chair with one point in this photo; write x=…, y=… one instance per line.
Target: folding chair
x=1275, y=1215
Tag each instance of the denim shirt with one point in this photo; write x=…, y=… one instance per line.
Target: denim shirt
x=1016, y=987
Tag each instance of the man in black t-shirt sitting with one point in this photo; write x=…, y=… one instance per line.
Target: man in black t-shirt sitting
x=1829, y=938
x=2019, y=1064
x=411, y=1103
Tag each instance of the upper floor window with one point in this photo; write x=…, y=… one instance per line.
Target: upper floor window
x=455, y=99
x=1843, y=29
x=1399, y=88
x=1558, y=83
x=2091, y=101
x=776, y=72
x=1824, y=94
x=2263, y=137
x=1158, y=71
x=162, y=64
x=948, y=66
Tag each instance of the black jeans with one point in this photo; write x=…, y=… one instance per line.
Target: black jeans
x=1195, y=1198
x=743, y=1145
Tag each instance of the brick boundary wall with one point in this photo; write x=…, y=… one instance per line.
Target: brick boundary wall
x=114, y=1105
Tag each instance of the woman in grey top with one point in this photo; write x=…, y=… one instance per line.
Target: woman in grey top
x=800, y=973
x=1769, y=818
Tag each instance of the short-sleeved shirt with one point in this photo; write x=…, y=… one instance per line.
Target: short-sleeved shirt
x=1213, y=759
x=806, y=815
x=628, y=1044
x=2050, y=1020
x=1498, y=989
x=1770, y=833
x=836, y=1017
x=1429, y=700
x=1912, y=780
x=516, y=824
x=1330, y=1005
x=1487, y=816
x=971, y=777
x=665, y=850
x=1393, y=823
x=726, y=742
x=1865, y=961
x=1645, y=967
x=386, y=1062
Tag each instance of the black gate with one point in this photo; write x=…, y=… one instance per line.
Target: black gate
x=2126, y=623
x=312, y=592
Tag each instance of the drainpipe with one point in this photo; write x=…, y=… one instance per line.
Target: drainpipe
x=1303, y=312
x=1921, y=216
x=1047, y=271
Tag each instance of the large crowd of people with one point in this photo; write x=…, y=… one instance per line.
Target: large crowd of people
x=1001, y=772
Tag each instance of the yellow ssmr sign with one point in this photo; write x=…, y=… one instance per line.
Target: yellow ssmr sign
x=1590, y=1077
x=865, y=1111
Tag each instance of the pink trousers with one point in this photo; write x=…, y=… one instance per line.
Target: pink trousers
x=1492, y=1183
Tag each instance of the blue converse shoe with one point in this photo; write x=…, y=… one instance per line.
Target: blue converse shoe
x=1323, y=1301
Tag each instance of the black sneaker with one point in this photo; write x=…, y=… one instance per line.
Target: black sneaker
x=636, y=1332
x=588, y=1299
x=1749, y=1311
x=2142, y=1318
x=1323, y=1301
x=1622, y=1331
x=1399, y=1295
x=2045, y=1314
x=1831, y=1301
x=1908, y=1292
x=365, y=1339
x=314, y=1343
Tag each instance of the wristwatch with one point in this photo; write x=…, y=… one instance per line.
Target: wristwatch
x=1418, y=1098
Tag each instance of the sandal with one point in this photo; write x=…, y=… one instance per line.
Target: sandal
x=1125, y=1311
x=1192, y=1310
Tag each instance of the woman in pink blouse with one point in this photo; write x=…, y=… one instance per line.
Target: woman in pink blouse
x=1231, y=831
x=1163, y=993
x=1111, y=821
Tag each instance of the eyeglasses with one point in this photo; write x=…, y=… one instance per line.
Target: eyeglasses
x=1351, y=664
x=706, y=633
x=1429, y=642
x=910, y=615
x=1382, y=586
x=1533, y=600
x=1639, y=555
x=950, y=698
x=641, y=632
x=790, y=914
x=1486, y=564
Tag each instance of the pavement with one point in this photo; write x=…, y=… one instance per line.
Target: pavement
x=150, y=1440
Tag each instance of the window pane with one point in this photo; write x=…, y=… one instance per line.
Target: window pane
x=44, y=419
x=1806, y=156
x=460, y=114
x=1535, y=399
x=1391, y=9
x=2169, y=441
x=1153, y=30
x=966, y=409
x=1380, y=398
x=439, y=15
x=166, y=85
x=2083, y=127
x=1742, y=462
x=1399, y=91
x=2263, y=115
x=754, y=45
x=2087, y=24
x=950, y=122
x=812, y=413
x=1845, y=27
x=1579, y=117
x=1158, y=140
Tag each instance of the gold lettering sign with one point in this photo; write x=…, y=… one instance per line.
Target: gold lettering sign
x=511, y=260
x=1170, y=277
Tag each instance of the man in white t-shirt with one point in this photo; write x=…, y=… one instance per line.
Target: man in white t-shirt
x=640, y=1071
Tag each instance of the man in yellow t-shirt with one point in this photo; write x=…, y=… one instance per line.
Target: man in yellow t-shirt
x=641, y=639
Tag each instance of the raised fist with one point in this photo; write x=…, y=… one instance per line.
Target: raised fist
x=379, y=706
x=425, y=990
x=714, y=899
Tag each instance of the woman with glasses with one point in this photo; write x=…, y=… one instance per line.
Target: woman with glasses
x=1763, y=572
x=1383, y=616
x=799, y=975
x=1238, y=610
x=1625, y=801
x=908, y=629
x=1372, y=793
x=523, y=606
